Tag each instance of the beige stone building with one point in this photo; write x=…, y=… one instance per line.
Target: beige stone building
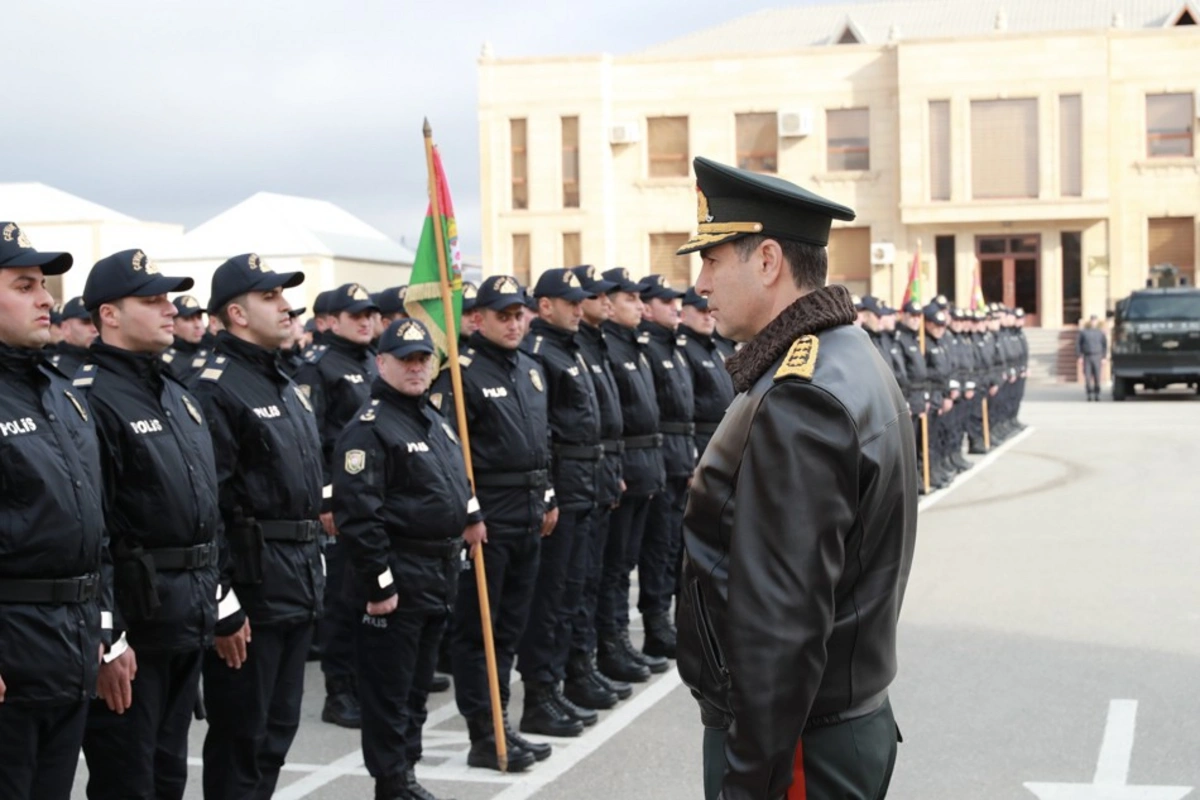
x=1046, y=146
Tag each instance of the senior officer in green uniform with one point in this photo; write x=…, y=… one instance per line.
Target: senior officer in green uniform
x=801, y=520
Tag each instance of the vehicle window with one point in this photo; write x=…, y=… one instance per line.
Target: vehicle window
x=1164, y=307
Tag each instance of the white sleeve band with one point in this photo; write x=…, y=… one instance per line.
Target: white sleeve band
x=229, y=605
x=549, y=495
x=327, y=491
x=106, y=620
x=114, y=652
x=385, y=578
x=324, y=570
x=473, y=505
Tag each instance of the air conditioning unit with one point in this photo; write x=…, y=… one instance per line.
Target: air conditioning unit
x=625, y=133
x=797, y=122
x=883, y=253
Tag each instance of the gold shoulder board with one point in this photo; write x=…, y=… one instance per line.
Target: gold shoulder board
x=800, y=360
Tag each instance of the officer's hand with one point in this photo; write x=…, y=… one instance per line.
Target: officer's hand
x=383, y=607
x=232, y=648
x=475, y=535
x=3, y=690
x=327, y=524
x=115, y=684
x=549, y=521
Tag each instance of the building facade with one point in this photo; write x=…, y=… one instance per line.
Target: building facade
x=1045, y=150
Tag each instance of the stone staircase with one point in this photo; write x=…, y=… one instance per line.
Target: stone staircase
x=1052, y=355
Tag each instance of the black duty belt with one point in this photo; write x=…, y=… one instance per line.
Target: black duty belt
x=535, y=479
x=678, y=428
x=195, y=557
x=613, y=447
x=873, y=703
x=643, y=442
x=436, y=548
x=707, y=428
x=58, y=591
x=278, y=530
x=580, y=452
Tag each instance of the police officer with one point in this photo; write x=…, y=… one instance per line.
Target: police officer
x=337, y=379
x=574, y=413
x=505, y=399
x=160, y=487
x=268, y=455
x=55, y=578
x=879, y=322
x=712, y=386
x=644, y=473
x=787, y=627
x=321, y=322
x=391, y=304
x=470, y=320
x=78, y=333
x=293, y=348
x=919, y=401
x=186, y=356
x=942, y=394
x=658, y=565
x=585, y=685
x=403, y=505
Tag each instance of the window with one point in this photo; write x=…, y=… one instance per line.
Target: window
x=947, y=280
x=1072, y=276
x=1070, y=145
x=848, y=136
x=572, y=249
x=1169, y=124
x=939, y=149
x=677, y=270
x=850, y=259
x=758, y=142
x=520, y=182
x=570, y=161
x=667, y=138
x=1172, y=240
x=521, y=259
x=1004, y=148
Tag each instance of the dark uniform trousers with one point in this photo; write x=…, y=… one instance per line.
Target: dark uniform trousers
x=253, y=712
x=658, y=561
x=511, y=563
x=335, y=629
x=562, y=572
x=396, y=657
x=39, y=749
x=1092, y=365
x=583, y=630
x=142, y=753
x=851, y=760
x=626, y=526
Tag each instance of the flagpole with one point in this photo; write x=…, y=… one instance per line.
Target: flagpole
x=460, y=411
x=921, y=341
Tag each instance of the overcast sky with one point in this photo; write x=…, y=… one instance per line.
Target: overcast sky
x=174, y=111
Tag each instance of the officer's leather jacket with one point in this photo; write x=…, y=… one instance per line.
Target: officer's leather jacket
x=799, y=531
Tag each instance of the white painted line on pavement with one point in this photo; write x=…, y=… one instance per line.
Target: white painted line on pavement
x=558, y=764
x=1116, y=749
x=932, y=500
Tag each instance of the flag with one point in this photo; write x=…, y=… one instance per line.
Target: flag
x=913, y=291
x=424, y=298
x=977, y=301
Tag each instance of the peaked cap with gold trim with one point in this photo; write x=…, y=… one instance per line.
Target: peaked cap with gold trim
x=732, y=203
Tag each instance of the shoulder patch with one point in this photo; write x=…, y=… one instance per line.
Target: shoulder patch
x=800, y=360
x=316, y=353
x=356, y=461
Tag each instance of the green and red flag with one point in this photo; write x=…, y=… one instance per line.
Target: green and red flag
x=977, y=301
x=913, y=290
x=424, y=298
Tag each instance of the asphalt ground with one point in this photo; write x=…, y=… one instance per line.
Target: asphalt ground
x=1050, y=637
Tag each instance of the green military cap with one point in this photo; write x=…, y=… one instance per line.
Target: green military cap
x=733, y=203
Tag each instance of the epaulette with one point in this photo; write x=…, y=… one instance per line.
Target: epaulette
x=369, y=414
x=681, y=341
x=537, y=343
x=643, y=338
x=168, y=355
x=316, y=353
x=464, y=359
x=800, y=360
x=199, y=361
x=214, y=372
x=85, y=376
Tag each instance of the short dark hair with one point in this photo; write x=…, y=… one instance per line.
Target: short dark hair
x=223, y=312
x=95, y=313
x=809, y=262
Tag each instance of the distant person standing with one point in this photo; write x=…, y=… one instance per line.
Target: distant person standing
x=1091, y=348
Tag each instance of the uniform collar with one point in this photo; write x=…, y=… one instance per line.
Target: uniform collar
x=260, y=358
x=660, y=333
x=138, y=367
x=497, y=353
x=540, y=327
x=22, y=360
x=346, y=346
x=621, y=332
x=413, y=406
x=185, y=347
x=702, y=339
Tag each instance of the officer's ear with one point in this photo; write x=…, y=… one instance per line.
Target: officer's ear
x=108, y=315
x=769, y=263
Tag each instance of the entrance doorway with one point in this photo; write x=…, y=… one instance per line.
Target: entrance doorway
x=1009, y=270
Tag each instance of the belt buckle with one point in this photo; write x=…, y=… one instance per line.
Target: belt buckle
x=86, y=587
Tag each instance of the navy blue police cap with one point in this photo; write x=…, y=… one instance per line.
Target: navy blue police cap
x=129, y=273
x=935, y=315
x=187, y=306
x=469, y=294
x=620, y=276
x=911, y=307
x=391, y=301
x=692, y=298
x=656, y=286
x=56, y=317
x=733, y=203
x=500, y=292
x=297, y=312
x=871, y=303
x=247, y=273
x=320, y=304
x=351, y=298
x=561, y=282
x=405, y=337
x=75, y=309
x=16, y=251
x=591, y=280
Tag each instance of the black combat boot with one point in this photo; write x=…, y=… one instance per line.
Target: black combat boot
x=415, y=790
x=394, y=787
x=440, y=682
x=543, y=715
x=341, y=704
x=619, y=665
x=660, y=636
x=581, y=687
x=656, y=664
x=483, y=747
x=540, y=750
x=960, y=461
x=586, y=716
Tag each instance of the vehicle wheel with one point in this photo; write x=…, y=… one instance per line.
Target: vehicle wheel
x=1120, y=389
